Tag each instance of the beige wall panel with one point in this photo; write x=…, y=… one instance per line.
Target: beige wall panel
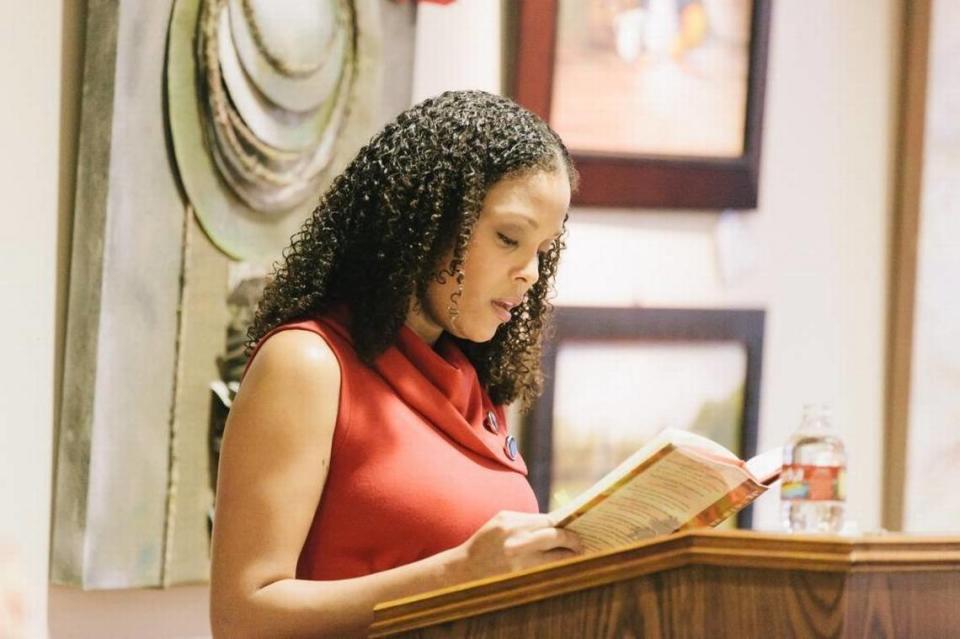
x=121, y=330
x=203, y=324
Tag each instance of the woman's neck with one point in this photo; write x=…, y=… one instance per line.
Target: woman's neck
x=424, y=326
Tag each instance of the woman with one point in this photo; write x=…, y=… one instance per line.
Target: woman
x=366, y=456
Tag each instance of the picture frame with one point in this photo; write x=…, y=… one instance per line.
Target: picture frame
x=642, y=327
x=618, y=179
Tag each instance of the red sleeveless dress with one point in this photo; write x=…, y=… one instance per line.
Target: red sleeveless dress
x=413, y=470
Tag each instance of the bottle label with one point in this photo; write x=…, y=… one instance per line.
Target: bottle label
x=813, y=483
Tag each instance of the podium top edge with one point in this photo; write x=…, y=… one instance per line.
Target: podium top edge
x=879, y=552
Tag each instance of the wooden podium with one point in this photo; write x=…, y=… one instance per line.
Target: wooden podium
x=708, y=583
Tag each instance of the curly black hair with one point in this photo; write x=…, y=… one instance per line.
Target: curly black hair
x=408, y=198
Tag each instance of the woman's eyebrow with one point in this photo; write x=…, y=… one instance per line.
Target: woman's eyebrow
x=532, y=223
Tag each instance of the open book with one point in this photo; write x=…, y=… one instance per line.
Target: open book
x=676, y=481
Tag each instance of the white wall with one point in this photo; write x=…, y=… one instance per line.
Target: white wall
x=458, y=47
x=819, y=239
x=933, y=429
x=29, y=169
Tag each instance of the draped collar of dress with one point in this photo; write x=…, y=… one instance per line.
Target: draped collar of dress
x=442, y=385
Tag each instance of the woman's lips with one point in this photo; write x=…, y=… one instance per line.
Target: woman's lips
x=502, y=310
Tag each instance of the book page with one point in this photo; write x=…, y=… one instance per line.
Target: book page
x=633, y=464
x=766, y=467
x=667, y=492
x=686, y=439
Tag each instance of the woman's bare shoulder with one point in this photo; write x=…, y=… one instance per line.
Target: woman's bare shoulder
x=291, y=387
x=294, y=356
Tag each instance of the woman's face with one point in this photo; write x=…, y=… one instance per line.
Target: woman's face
x=521, y=218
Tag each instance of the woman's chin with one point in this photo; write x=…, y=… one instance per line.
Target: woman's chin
x=478, y=334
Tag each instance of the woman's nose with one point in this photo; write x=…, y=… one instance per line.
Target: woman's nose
x=530, y=270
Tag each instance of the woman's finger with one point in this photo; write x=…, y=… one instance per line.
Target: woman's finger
x=546, y=539
x=511, y=520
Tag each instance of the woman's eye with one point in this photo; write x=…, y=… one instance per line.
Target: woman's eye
x=506, y=240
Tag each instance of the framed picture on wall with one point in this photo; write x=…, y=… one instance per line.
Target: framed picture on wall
x=615, y=377
x=660, y=101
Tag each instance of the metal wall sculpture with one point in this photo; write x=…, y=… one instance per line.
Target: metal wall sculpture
x=263, y=102
x=259, y=93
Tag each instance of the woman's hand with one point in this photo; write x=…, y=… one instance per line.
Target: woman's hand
x=513, y=541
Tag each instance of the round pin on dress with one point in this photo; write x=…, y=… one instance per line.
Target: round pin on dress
x=510, y=447
x=490, y=422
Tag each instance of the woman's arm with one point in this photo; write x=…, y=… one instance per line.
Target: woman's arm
x=273, y=465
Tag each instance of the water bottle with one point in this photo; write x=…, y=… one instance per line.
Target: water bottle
x=812, y=489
